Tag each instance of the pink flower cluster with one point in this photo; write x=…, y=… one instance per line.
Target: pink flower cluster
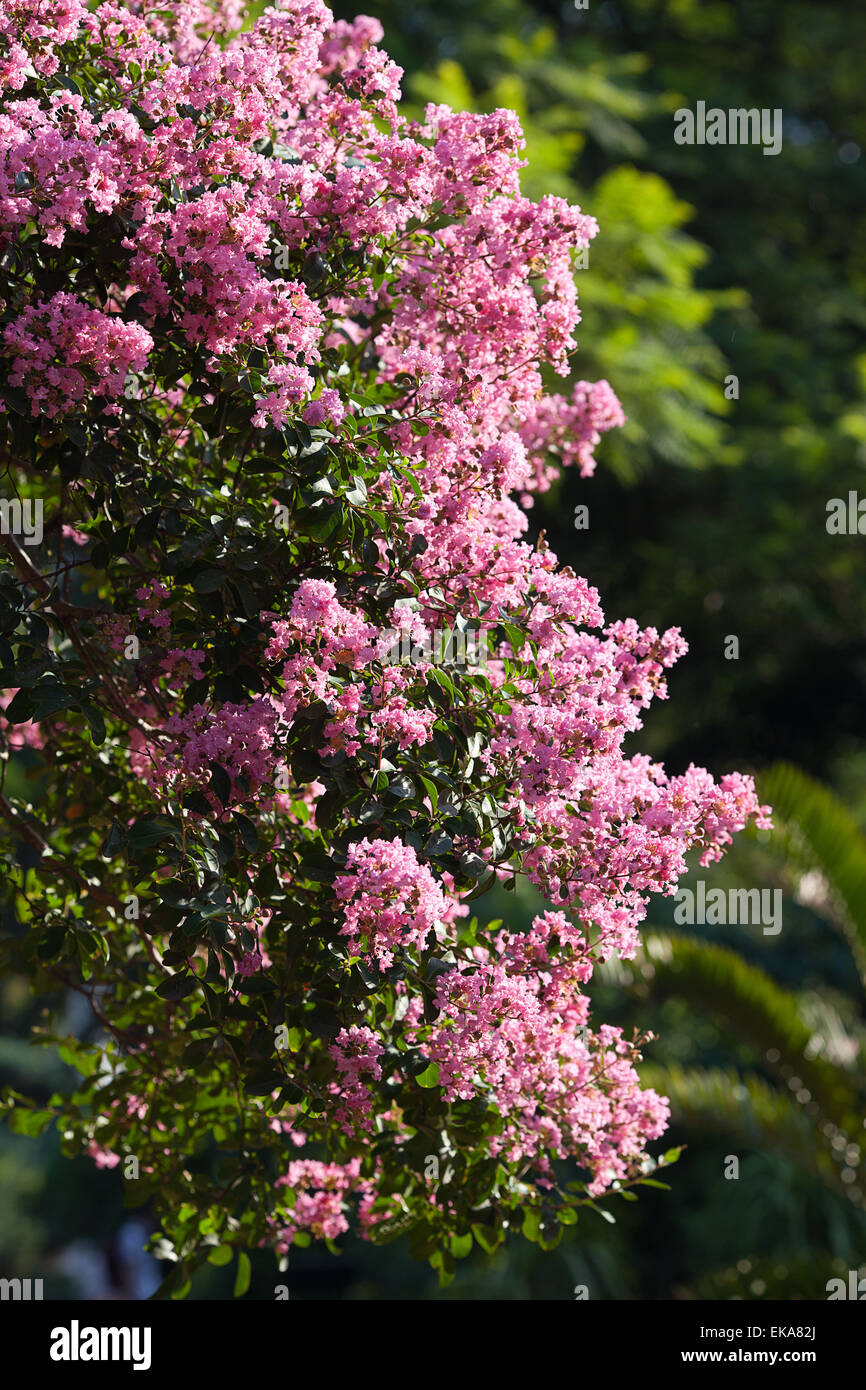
x=151, y=597
x=63, y=351
x=207, y=260
x=183, y=664
x=356, y=1053
x=318, y=1200
x=390, y=902
x=239, y=738
x=30, y=34
x=513, y=1028
x=325, y=635
x=571, y=430
x=209, y=157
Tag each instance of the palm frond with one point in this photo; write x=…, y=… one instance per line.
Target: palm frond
x=746, y=1110
x=760, y=1012
x=817, y=828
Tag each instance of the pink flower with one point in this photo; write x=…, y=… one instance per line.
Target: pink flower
x=103, y=1158
x=62, y=350
x=390, y=901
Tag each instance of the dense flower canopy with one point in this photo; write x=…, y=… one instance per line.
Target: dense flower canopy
x=278, y=361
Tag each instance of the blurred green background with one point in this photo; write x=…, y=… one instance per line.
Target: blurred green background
x=707, y=513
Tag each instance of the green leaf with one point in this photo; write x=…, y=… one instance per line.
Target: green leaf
x=48, y=700
x=113, y=841
x=516, y=638
x=242, y=1278
x=461, y=1246
x=146, y=833
x=473, y=865
x=531, y=1224
x=30, y=1122
x=432, y=791
x=177, y=987
x=220, y=782
x=486, y=1237
x=196, y=1052
x=247, y=831
x=208, y=581
x=52, y=941
x=93, y=715
x=323, y=1022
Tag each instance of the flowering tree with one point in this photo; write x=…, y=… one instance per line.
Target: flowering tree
x=275, y=367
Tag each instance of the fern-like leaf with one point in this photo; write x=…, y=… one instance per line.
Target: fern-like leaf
x=761, y=1013
x=820, y=830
